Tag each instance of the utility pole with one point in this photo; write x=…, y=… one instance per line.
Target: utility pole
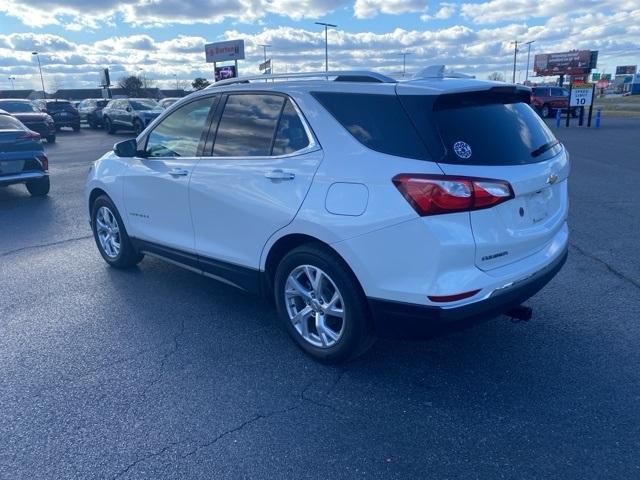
x=528, y=44
x=326, y=43
x=12, y=78
x=515, y=57
x=176, y=77
x=44, y=94
x=404, y=62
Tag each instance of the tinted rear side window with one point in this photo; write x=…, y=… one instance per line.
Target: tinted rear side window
x=248, y=125
x=377, y=121
x=483, y=128
x=291, y=135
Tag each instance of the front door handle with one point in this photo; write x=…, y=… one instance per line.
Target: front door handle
x=279, y=175
x=178, y=172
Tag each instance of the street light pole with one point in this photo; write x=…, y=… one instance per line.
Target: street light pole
x=44, y=94
x=404, y=62
x=176, y=77
x=12, y=78
x=515, y=56
x=528, y=44
x=326, y=43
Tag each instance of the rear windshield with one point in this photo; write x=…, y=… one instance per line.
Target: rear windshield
x=10, y=123
x=482, y=128
x=18, y=107
x=57, y=106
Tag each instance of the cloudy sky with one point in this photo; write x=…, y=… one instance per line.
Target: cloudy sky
x=165, y=38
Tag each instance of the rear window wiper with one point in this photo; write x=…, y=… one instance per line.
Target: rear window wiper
x=543, y=148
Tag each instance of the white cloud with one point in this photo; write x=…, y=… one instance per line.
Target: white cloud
x=446, y=10
x=371, y=8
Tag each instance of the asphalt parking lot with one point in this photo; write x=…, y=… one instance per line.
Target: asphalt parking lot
x=160, y=373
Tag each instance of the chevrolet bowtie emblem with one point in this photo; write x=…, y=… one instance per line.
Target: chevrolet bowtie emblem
x=552, y=179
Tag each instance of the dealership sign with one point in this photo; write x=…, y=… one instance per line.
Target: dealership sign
x=578, y=62
x=626, y=70
x=581, y=96
x=224, y=51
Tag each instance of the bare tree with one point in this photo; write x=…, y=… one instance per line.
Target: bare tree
x=132, y=86
x=200, y=83
x=496, y=77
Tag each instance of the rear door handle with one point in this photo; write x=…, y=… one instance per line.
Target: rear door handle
x=279, y=175
x=178, y=172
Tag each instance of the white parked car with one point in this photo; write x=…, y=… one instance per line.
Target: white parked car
x=354, y=201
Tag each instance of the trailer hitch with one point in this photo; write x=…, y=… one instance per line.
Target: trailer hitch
x=521, y=313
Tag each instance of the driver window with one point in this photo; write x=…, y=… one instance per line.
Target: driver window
x=178, y=135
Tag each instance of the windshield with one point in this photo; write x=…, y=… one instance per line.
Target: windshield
x=101, y=103
x=18, y=107
x=143, y=104
x=482, y=128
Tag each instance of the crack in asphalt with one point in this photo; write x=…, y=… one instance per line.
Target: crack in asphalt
x=164, y=360
x=302, y=398
x=611, y=269
x=43, y=245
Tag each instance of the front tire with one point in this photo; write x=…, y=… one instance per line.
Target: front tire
x=111, y=236
x=108, y=126
x=545, y=111
x=51, y=139
x=138, y=127
x=39, y=187
x=322, y=305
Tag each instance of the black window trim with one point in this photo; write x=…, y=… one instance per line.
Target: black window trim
x=313, y=146
x=142, y=143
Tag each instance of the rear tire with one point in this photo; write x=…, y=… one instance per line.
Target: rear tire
x=39, y=187
x=330, y=322
x=110, y=235
x=76, y=128
x=51, y=139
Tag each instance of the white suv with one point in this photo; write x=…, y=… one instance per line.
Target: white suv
x=355, y=201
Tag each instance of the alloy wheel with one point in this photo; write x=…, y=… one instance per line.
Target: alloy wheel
x=108, y=232
x=315, y=306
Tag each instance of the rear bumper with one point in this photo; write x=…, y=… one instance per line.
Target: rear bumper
x=401, y=319
x=21, y=177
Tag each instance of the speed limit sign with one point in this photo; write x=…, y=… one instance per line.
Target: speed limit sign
x=581, y=96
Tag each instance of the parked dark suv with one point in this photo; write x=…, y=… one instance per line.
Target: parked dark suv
x=130, y=114
x=31, y=117
x=547, y=100
x=64, y=114
x=91, y=111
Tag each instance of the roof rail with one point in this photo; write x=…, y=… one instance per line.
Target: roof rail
x=438, y=71
x=344, y=75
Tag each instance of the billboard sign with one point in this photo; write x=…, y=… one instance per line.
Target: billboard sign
x=104, y=78
x=581, y=96
x=223, y=73
x=578, y=62
x=626, y=70
x=224, y=51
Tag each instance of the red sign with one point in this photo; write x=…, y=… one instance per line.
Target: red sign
x=602, y=84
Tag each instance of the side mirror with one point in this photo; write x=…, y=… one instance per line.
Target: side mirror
x=127, y=148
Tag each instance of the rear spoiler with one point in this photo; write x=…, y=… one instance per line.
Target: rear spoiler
x=500, y=94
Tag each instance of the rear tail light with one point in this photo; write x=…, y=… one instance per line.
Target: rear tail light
x=31, y=134
x=44, y=161
x=437, y=194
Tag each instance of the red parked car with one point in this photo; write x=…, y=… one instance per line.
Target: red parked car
x=547, y=100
